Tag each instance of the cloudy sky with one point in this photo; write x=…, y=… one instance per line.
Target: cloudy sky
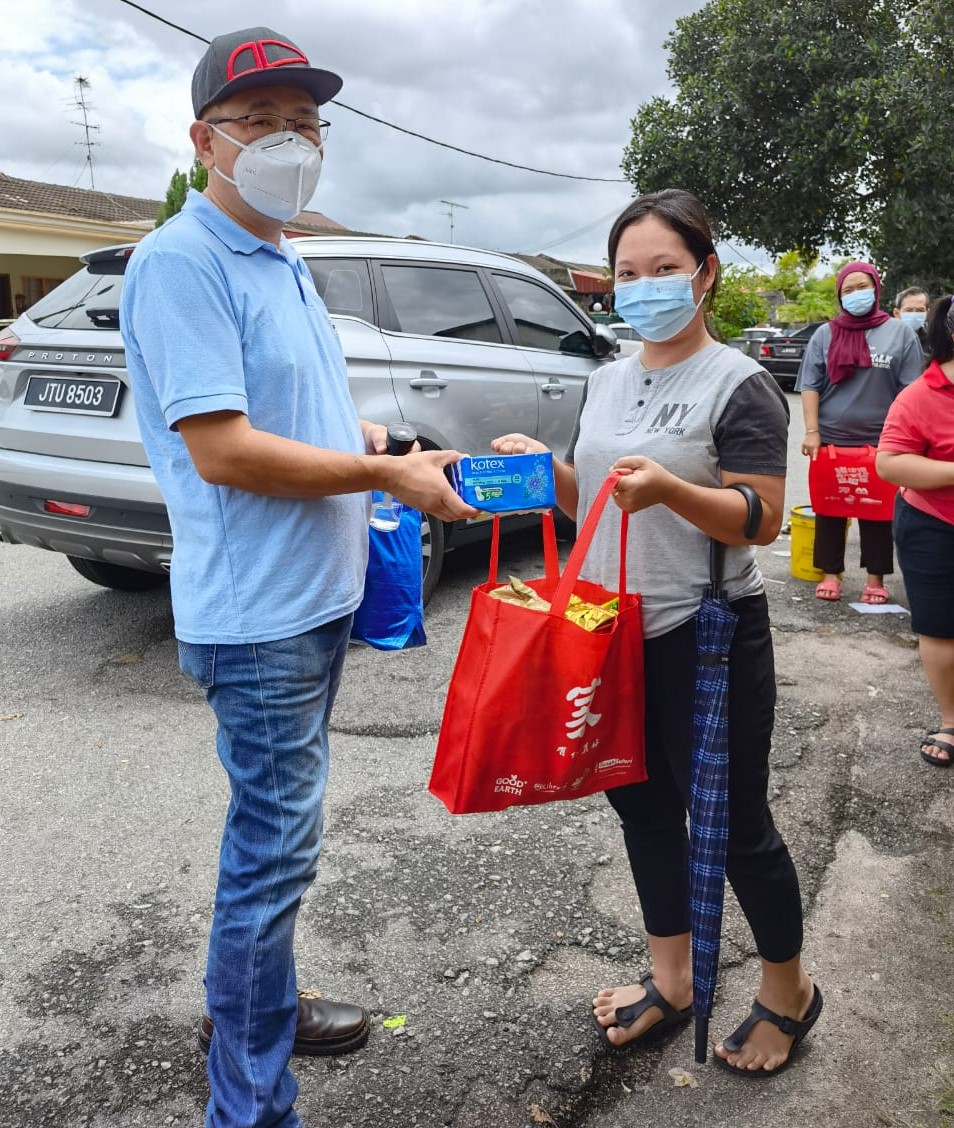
x=548, y=83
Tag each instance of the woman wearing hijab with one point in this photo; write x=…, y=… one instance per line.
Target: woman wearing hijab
x=851, y=372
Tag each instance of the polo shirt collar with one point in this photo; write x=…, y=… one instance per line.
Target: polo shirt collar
x=223, y=227
x=935, y=378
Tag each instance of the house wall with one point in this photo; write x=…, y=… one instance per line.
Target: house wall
x=37, y=252
x=31, y=276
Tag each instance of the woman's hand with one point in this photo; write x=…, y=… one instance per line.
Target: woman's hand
x=516, y=443
x=811, y=444
x=644, y=483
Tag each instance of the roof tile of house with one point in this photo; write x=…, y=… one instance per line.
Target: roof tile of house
x=55, y=199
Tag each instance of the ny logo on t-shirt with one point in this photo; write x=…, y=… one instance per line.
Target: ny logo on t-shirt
x=670, y=419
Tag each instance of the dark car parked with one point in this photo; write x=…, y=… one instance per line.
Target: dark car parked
x=782, y=356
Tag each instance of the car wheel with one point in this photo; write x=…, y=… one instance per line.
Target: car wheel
x=116, y=576
x=433, y=539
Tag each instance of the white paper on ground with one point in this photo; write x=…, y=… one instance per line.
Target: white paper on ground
x=879, y=608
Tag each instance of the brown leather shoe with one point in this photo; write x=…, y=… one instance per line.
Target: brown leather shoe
x=325, y=1029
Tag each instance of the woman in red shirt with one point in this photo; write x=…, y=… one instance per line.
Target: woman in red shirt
x=916, y=451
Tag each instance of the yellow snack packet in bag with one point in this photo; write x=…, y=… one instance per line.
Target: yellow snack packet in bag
x=516, y=591
x=589, y=616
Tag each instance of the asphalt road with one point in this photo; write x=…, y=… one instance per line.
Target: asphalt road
x=488, y=934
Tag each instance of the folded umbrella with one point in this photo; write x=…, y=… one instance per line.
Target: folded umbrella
x=709, y=792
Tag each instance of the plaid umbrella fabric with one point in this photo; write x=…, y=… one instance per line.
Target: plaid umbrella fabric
x=709, y=805
x=709, y=789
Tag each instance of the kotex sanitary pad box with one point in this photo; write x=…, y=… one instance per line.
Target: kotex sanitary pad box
x=505, y=483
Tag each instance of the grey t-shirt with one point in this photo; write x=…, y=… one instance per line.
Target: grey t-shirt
x=852, y=412
x=716, y=411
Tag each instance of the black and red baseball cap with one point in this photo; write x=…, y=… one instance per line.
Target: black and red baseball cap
x=257, y=56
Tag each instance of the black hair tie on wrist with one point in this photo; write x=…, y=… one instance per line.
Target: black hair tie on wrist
x=753, y=519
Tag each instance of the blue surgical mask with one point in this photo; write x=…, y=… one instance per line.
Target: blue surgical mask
x=914, y=319
x=658, y=308
x=858, y=302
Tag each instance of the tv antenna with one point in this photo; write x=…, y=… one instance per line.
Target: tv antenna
x=82, y=86
x=450, y=214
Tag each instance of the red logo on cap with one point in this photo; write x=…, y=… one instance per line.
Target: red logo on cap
x=260, y=59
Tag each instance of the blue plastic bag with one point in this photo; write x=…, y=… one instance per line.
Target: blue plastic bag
x=391, y=615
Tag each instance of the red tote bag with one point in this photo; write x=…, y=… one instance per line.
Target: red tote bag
x=537, y=707
x=842, y=482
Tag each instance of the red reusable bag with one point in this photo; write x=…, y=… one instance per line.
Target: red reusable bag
x=538, y=708
x=842, y=482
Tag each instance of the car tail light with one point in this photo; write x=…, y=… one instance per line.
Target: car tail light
x=67, y=508
x=8, y=342
x=764, y=350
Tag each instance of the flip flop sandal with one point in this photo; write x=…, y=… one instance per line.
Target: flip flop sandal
x=626, y=1016
x=797, y=1028
x=874, y=594
x=943, y=745
x=829, y=591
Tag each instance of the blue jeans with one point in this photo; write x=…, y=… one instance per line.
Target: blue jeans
x=272, y=701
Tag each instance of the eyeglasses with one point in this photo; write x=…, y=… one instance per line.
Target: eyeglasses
x=311, y=127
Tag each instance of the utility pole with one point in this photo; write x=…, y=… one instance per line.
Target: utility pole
x=450, y=214
x=82, y=85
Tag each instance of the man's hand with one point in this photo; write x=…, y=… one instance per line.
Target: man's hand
x=419, y=481
x=376, y=438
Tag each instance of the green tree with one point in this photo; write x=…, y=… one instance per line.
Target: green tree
x=179, y=185
x=739, y=302
x=792, y=273
x=811, y=124
x=810, y=298
x=913, y=228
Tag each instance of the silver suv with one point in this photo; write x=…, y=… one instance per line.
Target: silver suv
x=464, y=344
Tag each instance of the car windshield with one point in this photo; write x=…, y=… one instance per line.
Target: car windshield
x=88, y=300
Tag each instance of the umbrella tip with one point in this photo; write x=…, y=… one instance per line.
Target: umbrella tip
x=702, y=1040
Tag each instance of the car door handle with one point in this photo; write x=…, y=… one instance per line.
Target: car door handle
x=427, y=379
x=554, y=389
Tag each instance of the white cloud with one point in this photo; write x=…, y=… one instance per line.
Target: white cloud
x=547, y=83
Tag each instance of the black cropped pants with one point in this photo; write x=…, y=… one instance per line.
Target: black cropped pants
x=877, y=548
x=654, y=813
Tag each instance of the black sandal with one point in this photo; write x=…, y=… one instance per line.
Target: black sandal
x=626, y=1016
x=797, y=1028
x=944, y=745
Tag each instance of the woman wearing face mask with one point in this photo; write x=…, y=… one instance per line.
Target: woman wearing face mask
x=851, y=372
x=684, y=419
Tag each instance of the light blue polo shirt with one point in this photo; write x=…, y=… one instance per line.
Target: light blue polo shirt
x=215, y=319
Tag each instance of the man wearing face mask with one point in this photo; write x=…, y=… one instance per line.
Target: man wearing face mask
x=911, y=307
x=243, y=404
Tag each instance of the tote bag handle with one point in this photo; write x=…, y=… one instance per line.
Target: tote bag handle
x=551, y=558
x=571, y=573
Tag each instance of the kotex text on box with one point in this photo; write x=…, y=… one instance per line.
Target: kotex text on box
x=506, y=483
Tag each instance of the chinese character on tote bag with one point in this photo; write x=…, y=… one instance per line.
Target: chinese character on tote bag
x=843, y=482
x=538, y=708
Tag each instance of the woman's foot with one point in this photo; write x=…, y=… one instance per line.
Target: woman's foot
x=829, y=589
x=766, y=1048
x=874, y=590
x=677, y=997
x=937, y=748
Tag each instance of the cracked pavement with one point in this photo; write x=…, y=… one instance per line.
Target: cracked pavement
x=490, y=934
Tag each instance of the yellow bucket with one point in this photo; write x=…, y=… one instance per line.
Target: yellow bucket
x=802, y=521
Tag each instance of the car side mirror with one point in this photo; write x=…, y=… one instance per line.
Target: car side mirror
x=605, y=342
